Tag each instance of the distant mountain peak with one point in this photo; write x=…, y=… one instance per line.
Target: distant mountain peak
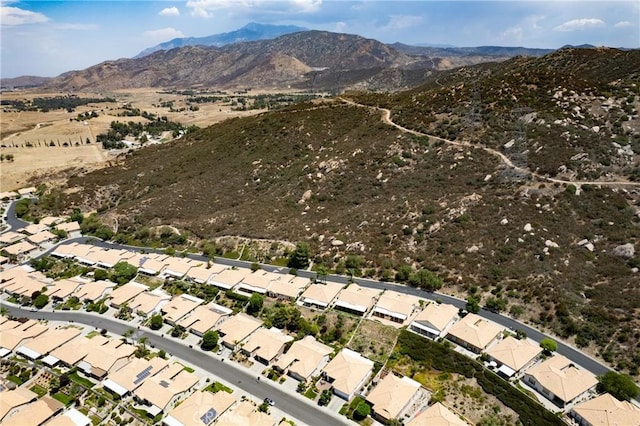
x=253, y=31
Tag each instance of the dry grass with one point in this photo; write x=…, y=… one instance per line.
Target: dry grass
x=374, y=340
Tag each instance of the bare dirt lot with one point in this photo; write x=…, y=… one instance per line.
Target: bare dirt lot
x=46, y=144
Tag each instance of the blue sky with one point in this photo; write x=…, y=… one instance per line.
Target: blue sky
x=47, y=38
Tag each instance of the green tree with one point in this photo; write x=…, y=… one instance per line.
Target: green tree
x=100, y=274
x=496, y=304
x=362, y=411
x=123, y=272
x=299, y=258
x=255, y=266
x=22, y=207
x=425, y=279
x=473, y=304
x=403, y=273
x=549, y=345
x=619, y=385
x=155, y=322
x=41, y=301
x=209, y=340
x=255, y=304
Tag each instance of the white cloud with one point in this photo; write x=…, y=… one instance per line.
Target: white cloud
x=15, y=16
x=401, y=22
x=206, y=8
x=79, y=27
x=169, y=11
x=622, y=24
x=523, y=30
x=580, y=24
x=163, y=34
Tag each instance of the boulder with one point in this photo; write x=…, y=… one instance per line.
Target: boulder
x=528, y=227
x=626, y=251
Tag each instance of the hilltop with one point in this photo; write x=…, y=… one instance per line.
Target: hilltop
x=376, y=199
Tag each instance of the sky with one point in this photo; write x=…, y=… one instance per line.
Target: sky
x=47, y=38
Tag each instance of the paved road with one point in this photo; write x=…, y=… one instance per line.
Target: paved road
x=292, y=405
x=12, y=220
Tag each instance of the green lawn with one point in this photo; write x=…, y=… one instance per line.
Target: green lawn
x=81, y=380
x=310, y=393
x=64, y=398
x=39, y=390
x=217, y=387
x=15, y=379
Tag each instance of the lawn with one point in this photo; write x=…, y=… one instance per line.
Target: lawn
x=81, y=380
x=217, y=387
x=311, y=394
x=39, y=390
x=64, y=398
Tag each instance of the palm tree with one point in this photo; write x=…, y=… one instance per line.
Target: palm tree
x=128, y=334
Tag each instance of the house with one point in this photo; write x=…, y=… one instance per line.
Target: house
x=46, y=342
x=356, y=299
x=62, y=289
x=123, y=294
x=42, y=238
x=513, y=355
x=304, y=359
x=70, y=417
x=245, y=413
x=287, y=288
x=71, y=352
x=71, y=228
x=11, y=237
x=204, y=406
x=72, y=251
x=236, y=329
x=178, y=307
x=34, y=228
x=435, y=320
x=51, y=220
x=204, y=318
x=474, y=333
x=320, y=295
x=347, y=372
x=15, y=333
x=8, y=195
x=133, y=375
x=148, y=303
x=161, y=390
x=229, y=278
x=257, y=282
x=34, y=413
x=105, y=356
x=93, y=290
x=106, y=258
x=147, y=264
x=605, y=410
x=560, y=381
x=391, y=397
x=20, y=282
x=395, y=308
x=27, y=192
x=176, y=267
x=13, y=399
x=21, y=250
x=438, y=415
x=266, y=344
x=201, y=274
x=3, y=261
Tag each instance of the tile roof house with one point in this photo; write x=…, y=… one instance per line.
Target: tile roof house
x=202, y=274
x=72, y=251
x=356, y=299
x=560, y=381
x=304, y=359
x=205, y=407
x=435, y=320
x=42, y=238
x=106, y=356
x=266, y=344
x=71, y=228
x=513, y=355
x=134, y=374
x=159, y=391
x=474, y=333
x=288, y=288
x=320, y=295
x=605, y=410
x=204, y=318
x=11, y=237
x=14, y=333
x=178, y=307
x=34, y=228
x=94, y=290
x=437, y=415
x=70, y=417
x=148, y=303
x=62, y=289
x=392, y=395
x=21, y=250
x=243, y=414
x=71, y=352
x=125, y=293
x=395, y=308
x=229, y=278
x=46, y=342
x=236, y=329
x=347, y=372
x=34, y=413
x=176, y=267
x=51, y=220
x=147, y=264
x=13, y=399
x=257, y=282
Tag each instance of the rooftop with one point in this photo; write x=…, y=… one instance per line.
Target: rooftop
x=34, y=228
x=20, y=248
x=322, y=293
x=15, y=398
x=237, y=328
x=35, y=413
x=475, y=330
x=160, y=389
x=68, y=226
x=605, y=410
x=126, y=292
x=201, y=274
x=437, y=316
x=245, y=413
x=290, y=288
x=348, y=369
x=392, y=394
x=42, y=237
x=180, y=306
x=48, y=341
x=134, y=374
x=438, y=415
x=560, y=376
x=205, y=406
x=229, y=278
x=396, y=304
x=93, y=290
x=178, y=267
x=266, y=343
x=11, y=237
x=14, y=333
x=148, y=302
x=514, y=353
x=304, y=357
x=204, y=318
x=62, y=288
x=356, y=298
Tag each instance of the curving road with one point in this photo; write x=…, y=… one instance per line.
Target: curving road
x=293, y=405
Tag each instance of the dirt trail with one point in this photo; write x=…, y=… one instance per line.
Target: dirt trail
x=386, y=118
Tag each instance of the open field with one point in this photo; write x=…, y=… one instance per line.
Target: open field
x=47, y=143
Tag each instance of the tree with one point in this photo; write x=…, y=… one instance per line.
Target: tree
x=209, y=340
x=128, y=333
x=155, y=322
x=255, y=304
x=123, y=272
x=362, y=411
x=41, y=301
x=473, y=304
x=403, y=273
x=162, y=353
x=549, y=345
x=100, y=274
x=619, y=385
x=496, y=304
x=325, y=397
x=299, y=258
x=255, y=266
x=425, y=279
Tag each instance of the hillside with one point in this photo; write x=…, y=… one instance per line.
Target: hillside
x=334, y=174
